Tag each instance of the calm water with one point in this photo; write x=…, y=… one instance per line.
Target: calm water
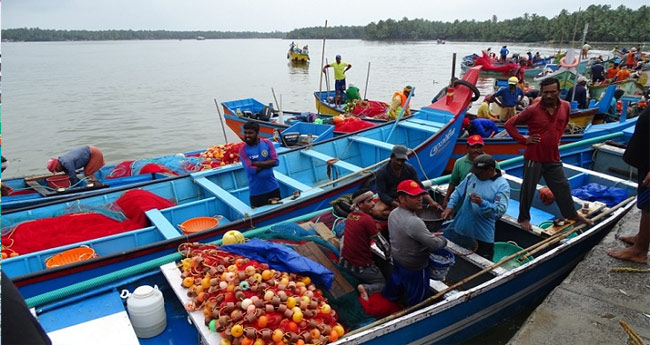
x=139, y=99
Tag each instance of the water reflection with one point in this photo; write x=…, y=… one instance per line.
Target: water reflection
x=297, y=67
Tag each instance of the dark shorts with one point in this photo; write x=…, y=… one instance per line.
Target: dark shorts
x=411, y=286
x=263, y=199
x=642, y=193
x=339, y=85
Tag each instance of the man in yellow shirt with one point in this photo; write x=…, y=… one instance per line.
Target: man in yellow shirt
x=484, y=109
x=340, y=68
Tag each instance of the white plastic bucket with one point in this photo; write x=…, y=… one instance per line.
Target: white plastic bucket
x=146, y=308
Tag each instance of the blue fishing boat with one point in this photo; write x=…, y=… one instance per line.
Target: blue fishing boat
x=475, y=295
x=309, y=178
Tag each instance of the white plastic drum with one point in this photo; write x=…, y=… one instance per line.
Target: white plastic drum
x=146, y=309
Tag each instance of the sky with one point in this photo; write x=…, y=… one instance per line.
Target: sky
x=265, y=15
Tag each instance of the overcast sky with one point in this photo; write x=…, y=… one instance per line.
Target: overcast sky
x=264, y=15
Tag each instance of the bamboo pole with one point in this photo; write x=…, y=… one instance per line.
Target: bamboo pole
x=631, y=333
x=280, y=115
x=322, y=59
x=430, y=300
x=221, y=119
x=365, y=89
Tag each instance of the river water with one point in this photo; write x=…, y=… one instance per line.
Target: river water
x=139, y=99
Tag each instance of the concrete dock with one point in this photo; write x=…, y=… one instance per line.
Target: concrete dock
x=587, y=306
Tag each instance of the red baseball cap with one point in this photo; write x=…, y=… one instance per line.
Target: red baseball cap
x=475, y=140
x=410, y=187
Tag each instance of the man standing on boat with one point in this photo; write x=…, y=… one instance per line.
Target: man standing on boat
x=411, y=242
x=580, y=93
x=360, y=229
x=392, y=174
x=504, y=53
x=340, y=68
x=88, y=157
x=508, y=98
x=637, y=155
x=483, y=196
x=258, y=157
x=398, y=102
x=546, y=121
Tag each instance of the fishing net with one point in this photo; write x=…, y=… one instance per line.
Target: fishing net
x=351, y=124
x=79, y=223
x=367, y=108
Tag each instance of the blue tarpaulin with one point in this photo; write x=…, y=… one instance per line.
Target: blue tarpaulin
x=281, y=258
x=597, y=192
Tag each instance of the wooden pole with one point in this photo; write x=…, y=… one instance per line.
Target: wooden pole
x=453, y=70
x=280, y=115
x=322, y=59
x=365, y=90
x=399, y=117
x=221, y=119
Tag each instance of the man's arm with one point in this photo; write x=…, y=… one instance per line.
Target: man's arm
x=499, y=206
x=348, y=67
x=511, y=125
x=243, y=157
x=325, y=67
x=382, y=189
x=419, y=232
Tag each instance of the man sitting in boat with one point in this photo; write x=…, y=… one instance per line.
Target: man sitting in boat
x=484, y=112
x=485, y=128
x=88, y=157
x=623, y=74
x=410, y=245
x=580, y=93
x=391, y=175
x=508, y=98
x=612, y=72
x=398, y=102
x=259, y=157
x=356, y=256
x=484, y=196
x=352, y=93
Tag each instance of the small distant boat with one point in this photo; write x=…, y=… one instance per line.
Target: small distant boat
x=200, y=38
x=368, y=109
x=298, y=55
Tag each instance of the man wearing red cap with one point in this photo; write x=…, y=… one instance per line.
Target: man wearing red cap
x=88, y=157
x=410, y=242
x=463, y=165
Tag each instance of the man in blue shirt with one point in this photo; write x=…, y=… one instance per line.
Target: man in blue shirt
x=486, y=128
x=597, y=72
x=581, y=93
x=508, y=98
x=88, y=157
x=484, y=195
x=259, y=157
x=504, y=53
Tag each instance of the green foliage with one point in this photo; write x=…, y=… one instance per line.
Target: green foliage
x=621, y=24
x=36, y=34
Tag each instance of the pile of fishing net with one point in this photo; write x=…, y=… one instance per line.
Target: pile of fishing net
x=367, y=108
x=80, y=223
x=350, y=124
x=259, y=292
x=485, y=61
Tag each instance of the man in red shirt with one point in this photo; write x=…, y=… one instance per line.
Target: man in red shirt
x=356, y=256
x=546, y=122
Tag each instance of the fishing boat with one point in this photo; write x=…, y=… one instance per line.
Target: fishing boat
x=272, y=123
x=630, y=87
x=309, y=178
x=297, y=55
x=474, y=295
x=366, y=109
x=490, y=67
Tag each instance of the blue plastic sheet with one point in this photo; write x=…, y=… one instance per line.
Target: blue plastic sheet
x=597, y=192
x=282, y=258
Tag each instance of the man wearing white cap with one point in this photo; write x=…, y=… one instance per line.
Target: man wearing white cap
x=580, y=93
x=352, y=93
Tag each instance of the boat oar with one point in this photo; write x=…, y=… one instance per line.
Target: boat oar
x=322, y=59
x=431, y=299
x=399, y=117
x=221, y=119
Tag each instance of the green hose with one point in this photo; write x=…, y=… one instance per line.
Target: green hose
x=512, y=161
x=108, y=278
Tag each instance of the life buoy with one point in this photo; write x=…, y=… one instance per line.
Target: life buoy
x=566, y=65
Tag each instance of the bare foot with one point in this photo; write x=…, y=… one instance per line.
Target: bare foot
x=628, y=239
x=583, y=219
x=362, y=292
x=629, y=254
x=525, y=224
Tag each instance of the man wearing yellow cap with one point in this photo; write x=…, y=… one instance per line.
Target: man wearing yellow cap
x=508, y=98
x=398, y=102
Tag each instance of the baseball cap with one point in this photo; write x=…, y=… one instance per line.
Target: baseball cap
x=351, y=85
x=475, y=140
x=400, y=152
x=513, y=80
x=482, y=162
x=52, y=164
x=582, y=79
x=338, y=57
x=410, y=187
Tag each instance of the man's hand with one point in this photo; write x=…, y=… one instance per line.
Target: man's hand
x=446, y=214
x=436, y=206
x=475, y=198
x=533, y=139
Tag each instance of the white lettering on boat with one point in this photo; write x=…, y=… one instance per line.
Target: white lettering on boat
x=437, y=148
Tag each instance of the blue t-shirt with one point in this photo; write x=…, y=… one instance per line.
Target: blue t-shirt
x=259, y=181
x=73, y=160
x=504, y=51
x=508, y=98
x=581, y=96
x=478, y=220
x=597, y=72
x=483, y=127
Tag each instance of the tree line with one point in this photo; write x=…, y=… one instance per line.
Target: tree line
x=606, y=24
x=37, y=34
x=621, y=24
